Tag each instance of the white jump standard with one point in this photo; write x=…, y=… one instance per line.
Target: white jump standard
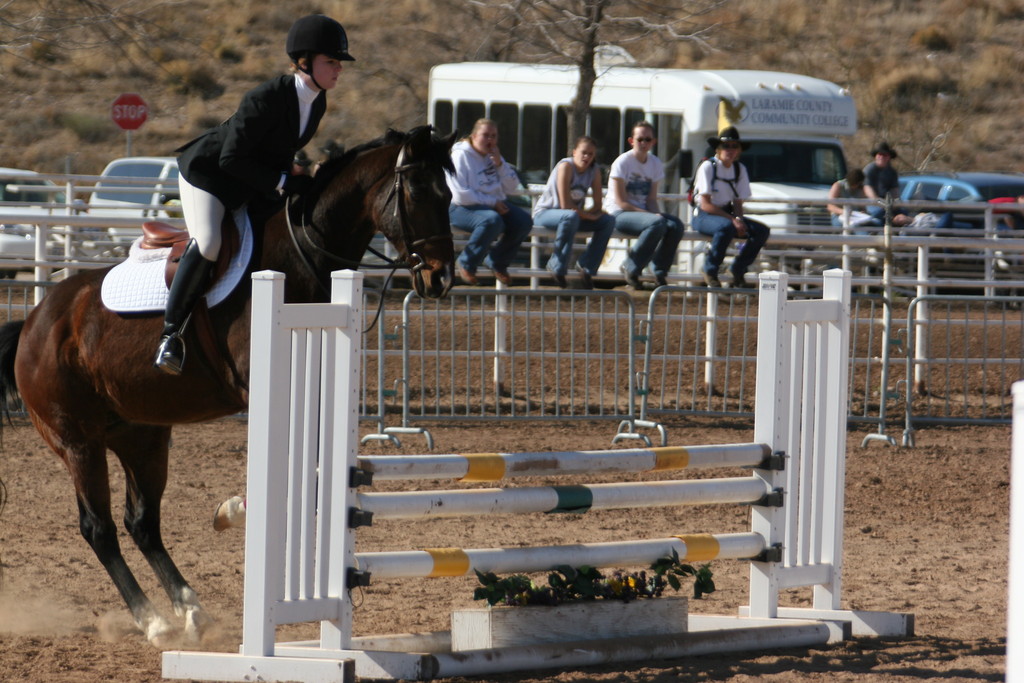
x=314, y=492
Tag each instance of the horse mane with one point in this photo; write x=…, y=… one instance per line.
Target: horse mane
x=335, y=165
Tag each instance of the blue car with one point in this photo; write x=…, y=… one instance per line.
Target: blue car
x=961, y=187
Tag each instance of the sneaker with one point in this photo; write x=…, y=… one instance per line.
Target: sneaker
x=560, y=280
x=712, y=280
x=632, y=279
x=468, y=277
x=660, y=280
x=501, y=275
x=587, y=281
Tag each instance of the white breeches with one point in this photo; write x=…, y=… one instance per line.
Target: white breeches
x=204, y=214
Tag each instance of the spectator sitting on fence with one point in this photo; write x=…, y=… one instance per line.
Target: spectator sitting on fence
x=480, y=185
x=850, y=187
x=721, y=184
x=633, y=196
x=561, y=208
x=882, y=181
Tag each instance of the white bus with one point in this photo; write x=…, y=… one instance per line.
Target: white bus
x=794, y=122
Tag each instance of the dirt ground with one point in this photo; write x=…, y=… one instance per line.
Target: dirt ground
x=926, y=533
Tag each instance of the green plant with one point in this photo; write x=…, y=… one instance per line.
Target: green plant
x=672, y=569
x=574, y=584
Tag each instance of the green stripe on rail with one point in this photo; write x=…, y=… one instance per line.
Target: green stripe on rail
x=573, y=499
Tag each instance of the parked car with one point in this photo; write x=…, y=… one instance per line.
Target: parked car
x=17, y=238
x=117, y=196
x=961, y=187
x=964, y=187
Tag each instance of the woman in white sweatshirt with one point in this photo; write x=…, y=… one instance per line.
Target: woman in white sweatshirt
x=479, y=186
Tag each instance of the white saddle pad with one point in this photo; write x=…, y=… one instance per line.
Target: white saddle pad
x=136, y=285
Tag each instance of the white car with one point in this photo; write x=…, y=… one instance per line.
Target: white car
x=17, y=238
x=120, y=194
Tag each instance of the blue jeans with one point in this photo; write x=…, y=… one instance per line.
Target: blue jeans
x=657, y=239
x=878, y=213
x=722, y=232
x=485, y=225
x=566, y=223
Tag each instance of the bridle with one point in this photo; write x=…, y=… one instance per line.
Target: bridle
x=413, y=261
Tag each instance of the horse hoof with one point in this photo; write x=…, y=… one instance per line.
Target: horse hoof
x=197, y=622
x=161, y=633
x=229, y=514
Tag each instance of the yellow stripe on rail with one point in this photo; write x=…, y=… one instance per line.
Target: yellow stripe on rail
x=448, y=561
x=484, y=467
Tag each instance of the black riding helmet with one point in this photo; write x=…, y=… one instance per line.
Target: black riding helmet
x=317, y=34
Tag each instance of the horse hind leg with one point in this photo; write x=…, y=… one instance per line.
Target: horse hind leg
x=88, y=468
x=143, y=453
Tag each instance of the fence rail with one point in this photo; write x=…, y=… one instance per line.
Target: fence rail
x=548, y=354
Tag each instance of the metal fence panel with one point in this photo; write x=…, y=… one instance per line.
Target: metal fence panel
x=526, y=354
x=963, y=355
x=701, y=347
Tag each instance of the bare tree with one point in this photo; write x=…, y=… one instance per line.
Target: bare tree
x=575, y=31
x=34, y=29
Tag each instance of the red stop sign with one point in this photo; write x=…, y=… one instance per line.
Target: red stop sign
x=129, y=111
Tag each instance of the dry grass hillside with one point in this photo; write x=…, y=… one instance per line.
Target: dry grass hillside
x=940, y=80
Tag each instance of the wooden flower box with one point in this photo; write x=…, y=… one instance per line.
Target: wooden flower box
x=484, y=628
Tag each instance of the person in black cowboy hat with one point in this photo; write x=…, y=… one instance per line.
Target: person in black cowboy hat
x=721, y=183
x=881, y=179
x=249, y=157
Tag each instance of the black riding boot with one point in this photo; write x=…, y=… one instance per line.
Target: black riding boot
x=188, y=285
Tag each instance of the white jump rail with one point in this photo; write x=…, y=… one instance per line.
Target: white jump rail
x=1015, y=602
x=303, y=466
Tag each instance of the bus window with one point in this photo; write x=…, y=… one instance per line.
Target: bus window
x=670, y=143
x=443, y=112
x=536, y=161
x=506, y=116
x=791, y=162
x=605, y=124
x=562, y=133
x=829, y=165
x=466, y=115
x=633, y=117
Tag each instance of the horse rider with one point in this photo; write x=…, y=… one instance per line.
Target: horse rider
x=248, y=156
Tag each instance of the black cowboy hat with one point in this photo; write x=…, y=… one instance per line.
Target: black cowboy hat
x=884, y=148
x=729, y=134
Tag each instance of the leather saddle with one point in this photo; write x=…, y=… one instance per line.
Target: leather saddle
x=160, y=235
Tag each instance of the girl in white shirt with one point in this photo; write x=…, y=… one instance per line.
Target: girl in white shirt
x=479, y=189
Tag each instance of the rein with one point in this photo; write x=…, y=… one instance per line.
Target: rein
x=414, y=262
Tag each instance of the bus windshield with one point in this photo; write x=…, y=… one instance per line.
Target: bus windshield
x=789, y=162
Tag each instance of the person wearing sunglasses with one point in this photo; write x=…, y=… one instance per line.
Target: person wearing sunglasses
x=633, y=201
x=721, y=184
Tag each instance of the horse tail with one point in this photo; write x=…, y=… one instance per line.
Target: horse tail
x=9, y=336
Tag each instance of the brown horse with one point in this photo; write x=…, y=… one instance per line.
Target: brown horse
x=86, y=376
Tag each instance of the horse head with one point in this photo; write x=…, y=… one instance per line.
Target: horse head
x=415, y=218
x=394, y=185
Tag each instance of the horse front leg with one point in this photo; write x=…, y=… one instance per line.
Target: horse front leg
x=99, y=531
x=143, y=454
